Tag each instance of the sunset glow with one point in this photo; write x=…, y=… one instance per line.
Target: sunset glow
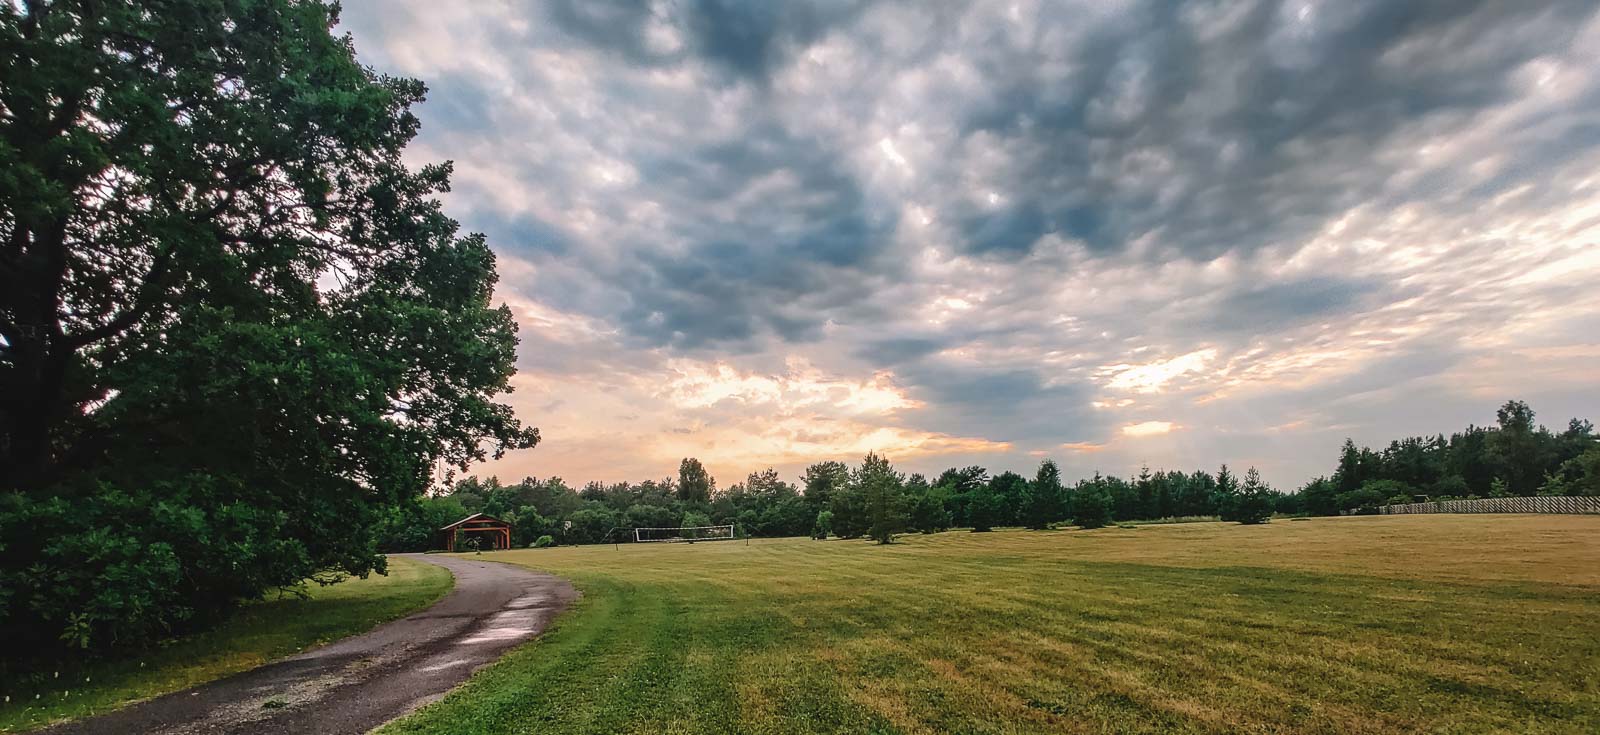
x=931, y=235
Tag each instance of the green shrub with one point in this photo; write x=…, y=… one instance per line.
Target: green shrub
x=527, y=526
x=542, y=542
x=1366, y=499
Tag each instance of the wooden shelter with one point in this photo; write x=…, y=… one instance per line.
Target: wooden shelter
x=488, y=528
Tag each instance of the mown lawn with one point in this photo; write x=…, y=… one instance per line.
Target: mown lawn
x=1346, y=625
x=258, y=633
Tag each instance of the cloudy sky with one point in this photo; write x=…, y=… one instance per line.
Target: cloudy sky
x=1109, y=232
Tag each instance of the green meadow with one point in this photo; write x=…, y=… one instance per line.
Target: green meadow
x=1447, y=624
x=258, y=633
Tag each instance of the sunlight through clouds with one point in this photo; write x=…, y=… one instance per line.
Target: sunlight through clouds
x=699, y=385
x=978, y=233
x=1148, y=428
x=1151, y=377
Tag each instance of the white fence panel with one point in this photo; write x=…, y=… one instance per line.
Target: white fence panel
x=1536, y=504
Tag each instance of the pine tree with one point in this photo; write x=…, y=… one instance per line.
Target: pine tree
x=1145, y=486
x=822, y=480
x=849, y=508
x=881, y=487
x=1252, y=503
x=1092, y=504
x=1348, y=476
x=1043, y=501
x=1227, y=486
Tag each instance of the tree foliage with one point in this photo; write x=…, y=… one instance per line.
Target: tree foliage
x=1042, y=505
x=823, y=527
x=822, y=480
x=928, y=511
x=1091, y=504
x=236, y=331
x=1577, y=476
x=849, y=507
x=882, y=488
x=985, y=509
x=1010, y=492
x=1515, y=457
x=694, y=482
x=1251, y=503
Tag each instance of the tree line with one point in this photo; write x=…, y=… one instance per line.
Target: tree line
x=874, y=500
x=1514, y=458
x=869, y=500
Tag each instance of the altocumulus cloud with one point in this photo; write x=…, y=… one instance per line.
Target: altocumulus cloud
x=1172, y=233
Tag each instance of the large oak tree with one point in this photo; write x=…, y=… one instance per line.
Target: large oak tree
x=234, y=326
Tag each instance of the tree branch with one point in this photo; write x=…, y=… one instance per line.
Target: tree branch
x=149, y=294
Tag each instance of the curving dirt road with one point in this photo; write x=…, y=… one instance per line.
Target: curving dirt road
x=361, y=682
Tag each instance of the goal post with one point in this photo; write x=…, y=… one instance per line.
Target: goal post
x=688, y=534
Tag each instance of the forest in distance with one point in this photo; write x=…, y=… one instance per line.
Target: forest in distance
x=1514, y=457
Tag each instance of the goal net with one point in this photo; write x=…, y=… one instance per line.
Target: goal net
x=684, y=533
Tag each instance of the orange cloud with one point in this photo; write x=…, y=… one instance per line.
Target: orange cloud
x=803, y=439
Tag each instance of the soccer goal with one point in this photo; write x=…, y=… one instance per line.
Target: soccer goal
x=690, y=534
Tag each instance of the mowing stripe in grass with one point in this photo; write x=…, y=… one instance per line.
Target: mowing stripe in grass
x=1302, y=627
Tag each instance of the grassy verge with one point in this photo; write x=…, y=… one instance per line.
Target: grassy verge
x=258, y=633
x=1394, y=624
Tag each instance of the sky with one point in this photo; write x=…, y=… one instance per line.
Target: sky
x=1112, y=233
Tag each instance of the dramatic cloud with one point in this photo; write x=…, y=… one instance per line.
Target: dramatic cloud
x=1109, y=232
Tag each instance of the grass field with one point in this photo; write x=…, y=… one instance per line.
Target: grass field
x=1444, y=624
x=258, y=633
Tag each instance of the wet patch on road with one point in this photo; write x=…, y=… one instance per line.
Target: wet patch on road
x=356, y=684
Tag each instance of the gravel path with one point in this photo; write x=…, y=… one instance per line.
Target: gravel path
x=358, y=683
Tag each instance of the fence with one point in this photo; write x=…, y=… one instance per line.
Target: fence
x=1537, y=504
